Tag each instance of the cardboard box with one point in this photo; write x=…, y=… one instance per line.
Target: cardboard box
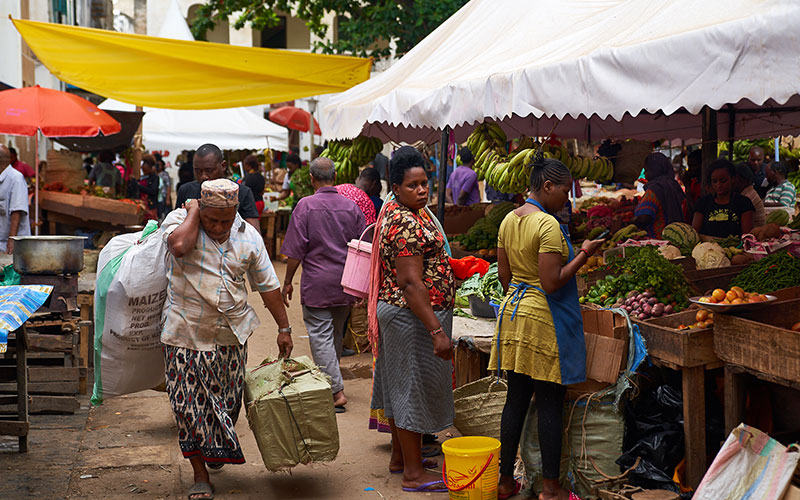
x=792, y=493
x=604, y=323
x=604, y=357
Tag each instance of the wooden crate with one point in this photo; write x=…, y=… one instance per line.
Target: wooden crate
x=91, y=208
x=681, y=348
x=709, y=279
x=762, y=340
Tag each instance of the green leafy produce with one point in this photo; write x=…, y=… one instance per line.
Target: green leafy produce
x=301, y=181
x=643, y=269
x=774, y=272
x=483, y=234
x=484, y=287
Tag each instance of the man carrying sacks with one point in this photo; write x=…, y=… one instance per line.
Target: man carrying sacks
x=207, y=322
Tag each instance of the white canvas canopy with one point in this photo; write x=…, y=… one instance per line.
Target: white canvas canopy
x=232, y=128
x=601, y=68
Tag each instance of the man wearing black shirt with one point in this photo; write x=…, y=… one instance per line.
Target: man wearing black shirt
x=208, y=165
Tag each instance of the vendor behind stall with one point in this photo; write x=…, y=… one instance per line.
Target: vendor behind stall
x=462, y=186
x=105, y=174
x=723, y=212
x=783, y=192
x=664, y=201
x=743, y=184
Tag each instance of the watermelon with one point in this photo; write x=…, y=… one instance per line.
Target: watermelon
x=779, y=217
x=681, y=235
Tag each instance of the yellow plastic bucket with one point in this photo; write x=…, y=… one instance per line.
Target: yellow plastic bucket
x=470, y=468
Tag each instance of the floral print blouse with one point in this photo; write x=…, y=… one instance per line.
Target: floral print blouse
x=405, y=233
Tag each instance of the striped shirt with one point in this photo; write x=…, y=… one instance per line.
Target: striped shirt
x=783, y=194
x=206, y=301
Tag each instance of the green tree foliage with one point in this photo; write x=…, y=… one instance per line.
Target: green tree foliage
x=365, y=28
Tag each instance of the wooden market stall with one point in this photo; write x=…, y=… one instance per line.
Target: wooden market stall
x=90, y=212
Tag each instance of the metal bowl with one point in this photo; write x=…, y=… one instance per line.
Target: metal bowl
x=48, y=254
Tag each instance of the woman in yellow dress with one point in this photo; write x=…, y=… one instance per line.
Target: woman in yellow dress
x=539, y=330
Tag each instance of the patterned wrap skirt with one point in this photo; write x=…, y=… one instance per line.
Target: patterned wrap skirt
x=205, y=390
x=410, y=383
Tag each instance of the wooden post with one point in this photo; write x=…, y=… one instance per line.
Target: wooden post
x=709, y=140
x=442, y=174
x=734, y=398
x=22, y=384
x=694, y=428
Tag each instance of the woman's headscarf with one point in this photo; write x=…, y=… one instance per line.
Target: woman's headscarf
x=661, y=180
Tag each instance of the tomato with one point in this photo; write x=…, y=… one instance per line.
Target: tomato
x=739, y=291
x=731, y=296
x=737, y=301
x=796, y=327
x=701, y=315
x=718, y=295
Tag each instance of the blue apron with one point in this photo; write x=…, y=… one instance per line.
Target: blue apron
x=566, y=311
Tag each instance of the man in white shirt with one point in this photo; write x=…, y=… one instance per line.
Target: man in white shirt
x=14, y=219
x=207, y=322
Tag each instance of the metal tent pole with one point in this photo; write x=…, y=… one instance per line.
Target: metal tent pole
x=442, y=174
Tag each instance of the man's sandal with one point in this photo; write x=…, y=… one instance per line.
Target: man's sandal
x=201, y=491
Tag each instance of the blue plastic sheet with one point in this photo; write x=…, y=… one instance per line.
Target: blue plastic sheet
x=17, y=304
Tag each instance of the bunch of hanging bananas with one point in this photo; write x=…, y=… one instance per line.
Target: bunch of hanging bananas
x=595, y=169
x=486, y=143
x=348, y=156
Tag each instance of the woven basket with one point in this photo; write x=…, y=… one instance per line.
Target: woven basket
x=479, y=406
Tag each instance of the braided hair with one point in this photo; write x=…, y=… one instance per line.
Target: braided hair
x=549, y=169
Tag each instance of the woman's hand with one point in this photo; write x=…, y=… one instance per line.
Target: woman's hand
x=591, y=246
x=442, y=346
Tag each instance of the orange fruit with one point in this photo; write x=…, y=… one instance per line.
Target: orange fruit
x=753, y=299
x=739, y=291
x=719, y=294
x=683, y=327
x=731, y=295
x=737, y=301
x=701, y=315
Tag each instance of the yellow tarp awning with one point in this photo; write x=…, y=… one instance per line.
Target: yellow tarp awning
x=176, y=74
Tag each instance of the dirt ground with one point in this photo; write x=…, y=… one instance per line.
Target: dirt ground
x=127, y=448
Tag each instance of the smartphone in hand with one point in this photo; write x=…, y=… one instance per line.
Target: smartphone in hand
x=604, y=235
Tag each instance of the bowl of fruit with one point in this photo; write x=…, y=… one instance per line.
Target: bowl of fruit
x=734, y=299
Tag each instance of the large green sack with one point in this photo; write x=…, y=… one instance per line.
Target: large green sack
x=290, y=410
x=592, y=442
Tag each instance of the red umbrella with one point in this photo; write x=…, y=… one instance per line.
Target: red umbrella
x=294, y=118
x=28, y=110
x=57, y=114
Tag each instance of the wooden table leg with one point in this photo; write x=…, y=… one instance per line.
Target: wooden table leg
x=22, y=384
x=734, y=398
x=694, y=423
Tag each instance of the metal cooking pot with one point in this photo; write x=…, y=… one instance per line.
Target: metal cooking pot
x=48, y=254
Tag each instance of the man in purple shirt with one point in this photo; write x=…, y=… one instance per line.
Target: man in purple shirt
x=317, y=236
x=462, y=186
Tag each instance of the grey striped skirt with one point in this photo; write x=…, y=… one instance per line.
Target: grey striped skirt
x=410, y=384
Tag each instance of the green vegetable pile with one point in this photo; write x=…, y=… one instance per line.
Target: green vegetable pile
x=643, y=269
x=774, y=272
x=486, y=287
x=301, y=184
x=483, y=234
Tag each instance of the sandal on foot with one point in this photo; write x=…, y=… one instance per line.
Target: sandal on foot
x=423, y=488
x=426, y=463
x=339, y=409
x=204, y=489
x=431, y=451
x=517, y=488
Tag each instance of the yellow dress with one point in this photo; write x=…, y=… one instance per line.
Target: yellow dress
x=528, y=343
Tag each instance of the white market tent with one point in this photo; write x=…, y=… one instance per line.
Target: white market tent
x=232, y=128
x=600, y=68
